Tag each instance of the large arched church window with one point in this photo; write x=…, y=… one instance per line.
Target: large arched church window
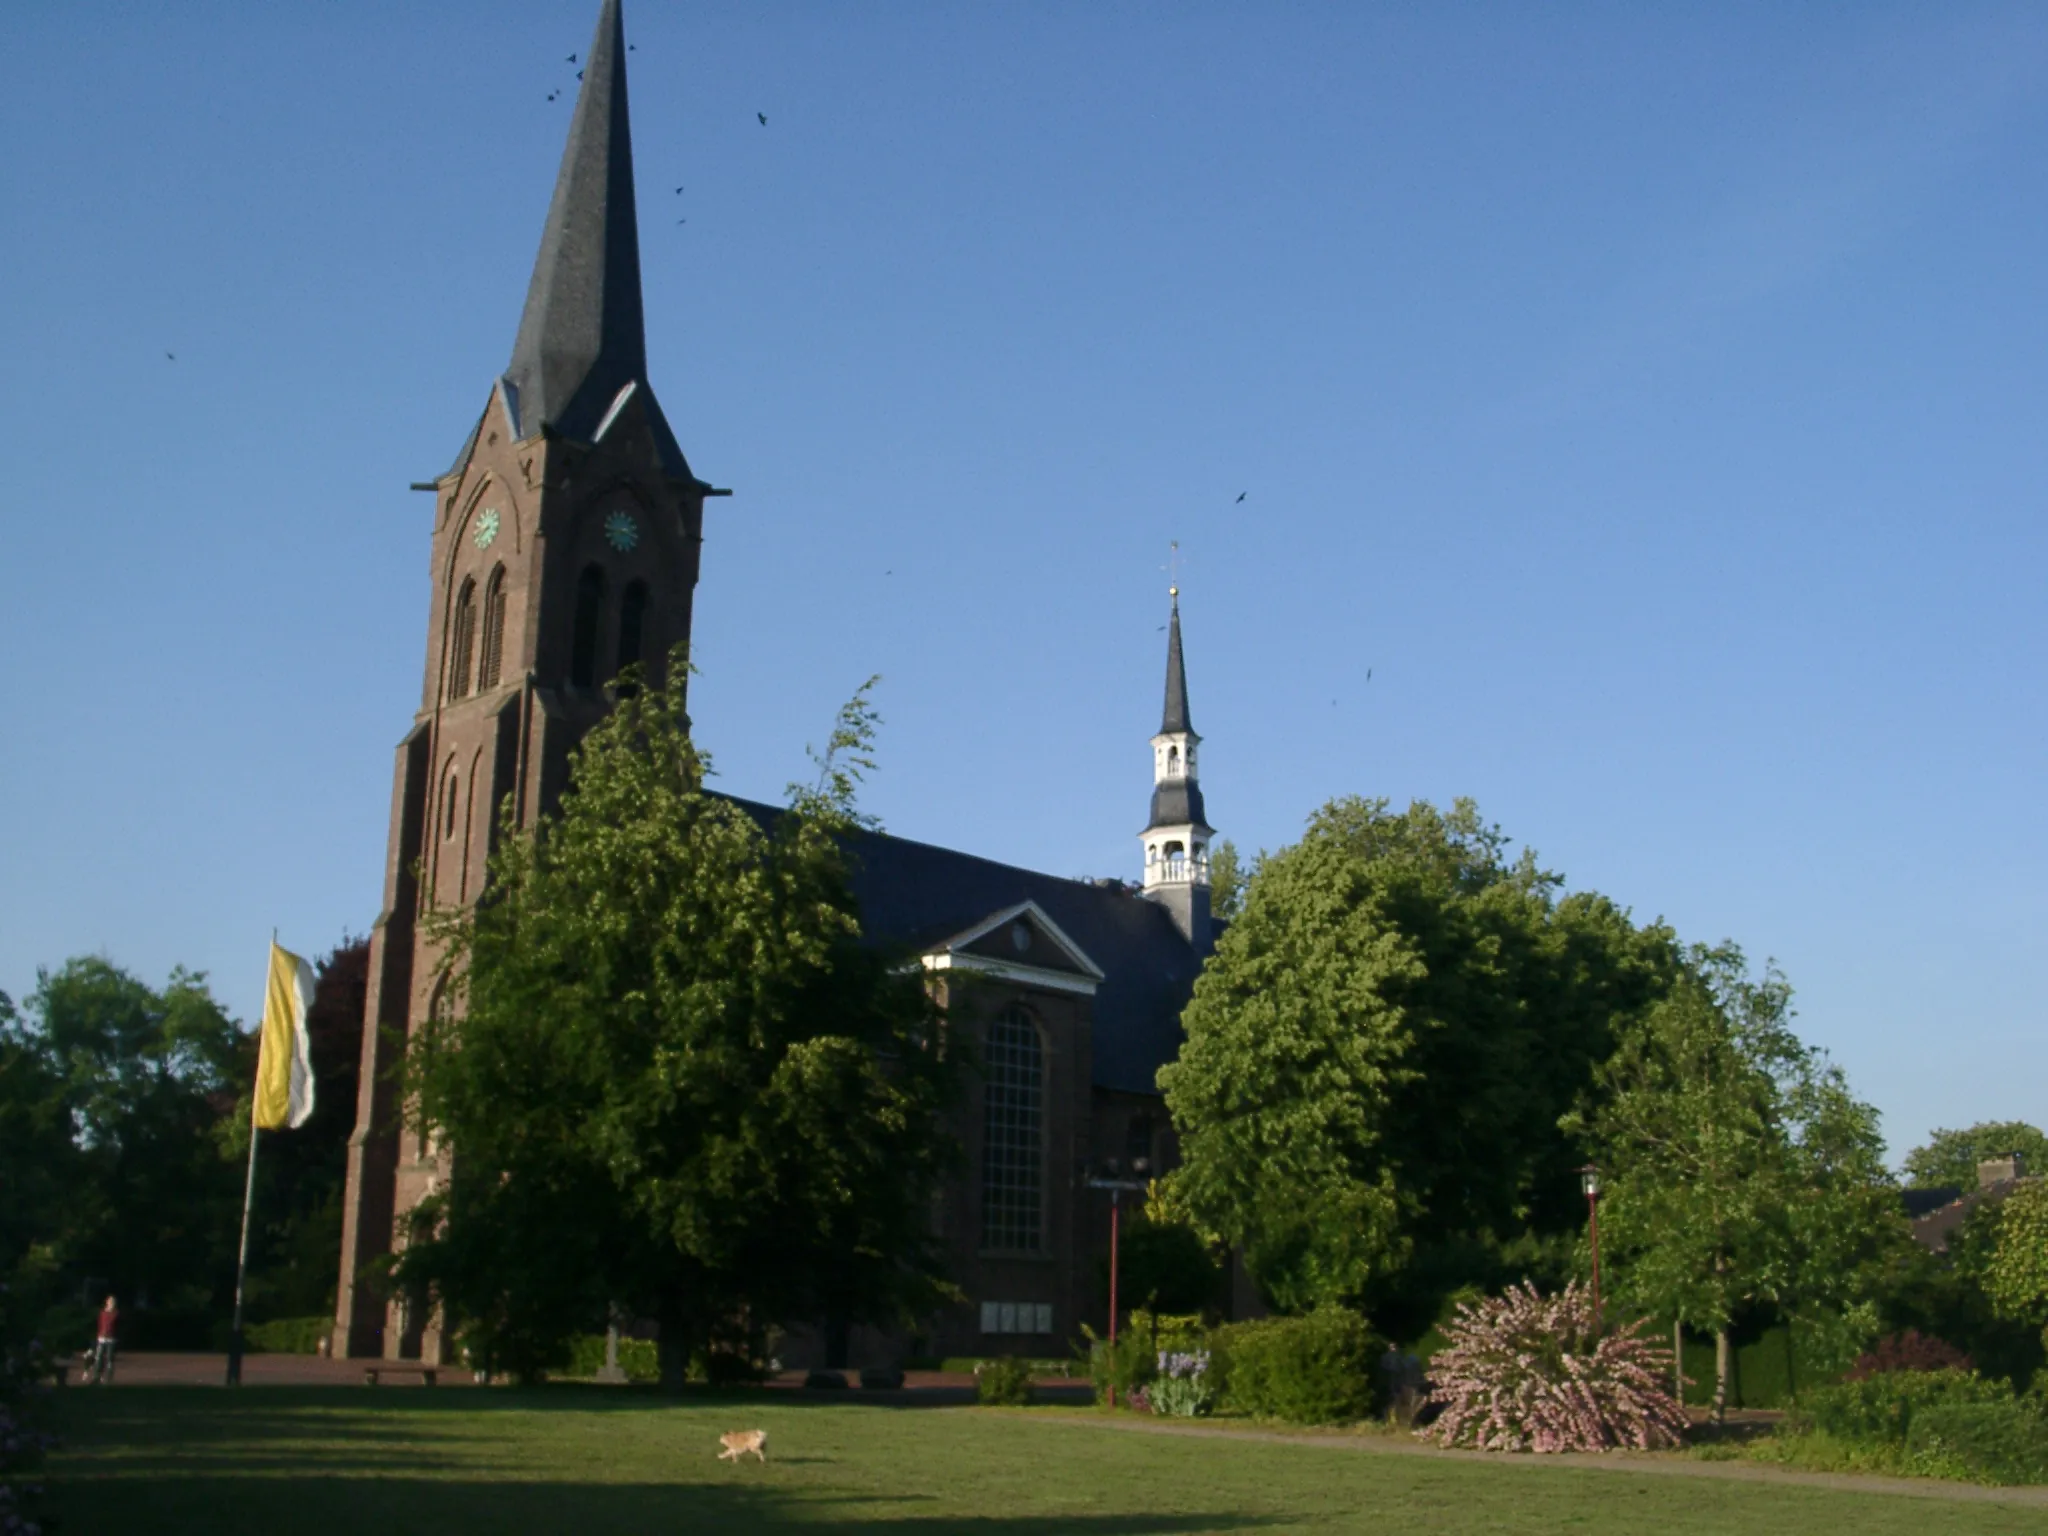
x=491, y=665
x=1012, y=1145
x=462, y=639
x=632, y=623
x=583, y=639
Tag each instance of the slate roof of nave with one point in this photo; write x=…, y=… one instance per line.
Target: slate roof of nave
x=917, y=895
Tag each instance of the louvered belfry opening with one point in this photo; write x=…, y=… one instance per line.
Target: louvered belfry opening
x=1013, y=1121
x=462, y=640
x=492, y=664
x=583, y=641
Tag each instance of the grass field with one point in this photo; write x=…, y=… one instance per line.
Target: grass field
x=591, y=1462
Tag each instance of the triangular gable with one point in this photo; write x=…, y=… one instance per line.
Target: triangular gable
x=1019, y=943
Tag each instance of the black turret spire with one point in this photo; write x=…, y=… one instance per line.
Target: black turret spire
x=1176, y=716
x=582, y=339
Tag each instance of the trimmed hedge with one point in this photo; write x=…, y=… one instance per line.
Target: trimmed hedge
x=288, y=1335
x=638, y=1358
x=1993, y=1442
x=1318, y=1369
x=1883, y=1407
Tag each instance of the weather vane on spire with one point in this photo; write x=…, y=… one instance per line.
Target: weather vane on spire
x=1173, y=568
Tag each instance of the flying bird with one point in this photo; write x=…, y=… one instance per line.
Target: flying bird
x=572, y=58
x=764, y=118
x=1242, y=494
x=1368, y=674
x=172, y=356
x=579, y=74
x=679, y=191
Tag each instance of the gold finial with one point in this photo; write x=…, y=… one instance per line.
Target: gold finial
x=1173, y=569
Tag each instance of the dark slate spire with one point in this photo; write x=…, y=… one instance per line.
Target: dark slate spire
x=582, y=340
x=1176, y=718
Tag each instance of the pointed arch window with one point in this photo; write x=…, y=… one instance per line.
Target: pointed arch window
x=583, y=640
x=491, y=665
x=451, y=803
x=1013, y=1129
x=632, y=623
x=462, y=639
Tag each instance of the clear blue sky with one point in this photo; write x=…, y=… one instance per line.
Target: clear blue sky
x=1651, y=396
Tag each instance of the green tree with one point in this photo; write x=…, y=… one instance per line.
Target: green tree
x=1164, y=1266
x=42, y=1174
x=1228, y=877
x=1950, y=1158
x=141, y=1078
x=1378, y=1056
x=672, y=1076
x=1738, y=1169
x=2016, y=1278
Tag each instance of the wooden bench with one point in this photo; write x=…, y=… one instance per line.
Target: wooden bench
x=426, y=1373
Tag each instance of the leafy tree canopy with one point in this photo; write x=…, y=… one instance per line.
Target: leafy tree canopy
x=1379, y=1053
x=2016, y=1278
x=1229, y=874
x=672, y=1076
x=1737, y=1166
x=1950, y=1158
x=112, y=1091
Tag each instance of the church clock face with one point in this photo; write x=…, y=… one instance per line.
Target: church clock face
x=621, y=531
x=486, y=528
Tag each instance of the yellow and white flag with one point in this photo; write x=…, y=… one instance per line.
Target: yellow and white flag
x=284, y=1064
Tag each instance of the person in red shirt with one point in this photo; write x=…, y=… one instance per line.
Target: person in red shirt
x=103, y=1346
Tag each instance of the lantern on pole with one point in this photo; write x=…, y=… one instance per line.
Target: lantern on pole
x=1589, y=1181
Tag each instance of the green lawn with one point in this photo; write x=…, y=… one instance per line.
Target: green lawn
x=588, y=1461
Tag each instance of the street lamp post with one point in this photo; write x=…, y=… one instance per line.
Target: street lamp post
x=1117, y=1188
x=1589, y=1181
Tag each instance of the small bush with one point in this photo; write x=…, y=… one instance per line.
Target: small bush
x=1316, y=1369
x=1882, y=1407
x=881, y=1379
x=640, y=1359
x=1528, y=1372
x=1909, y=1351
x=1004, y=1382
x=288, y=1335
x=2005, y=1442
x=1126, y=1369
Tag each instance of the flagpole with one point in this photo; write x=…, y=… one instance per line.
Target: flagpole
x=242, y=1260
x=248, y=1201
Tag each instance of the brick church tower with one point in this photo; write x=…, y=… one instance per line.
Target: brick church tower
x=565, y=541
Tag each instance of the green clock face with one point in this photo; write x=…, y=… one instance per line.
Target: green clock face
x=621, y=531
x=486, y=527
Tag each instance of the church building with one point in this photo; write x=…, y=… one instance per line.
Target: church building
x=565, y=540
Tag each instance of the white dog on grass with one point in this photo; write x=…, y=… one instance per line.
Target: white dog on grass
x=740, y=1441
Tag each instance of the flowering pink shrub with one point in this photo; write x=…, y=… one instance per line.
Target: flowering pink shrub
x=1528, y=1372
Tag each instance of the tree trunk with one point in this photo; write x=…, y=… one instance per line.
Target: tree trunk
x=1724, y=1366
